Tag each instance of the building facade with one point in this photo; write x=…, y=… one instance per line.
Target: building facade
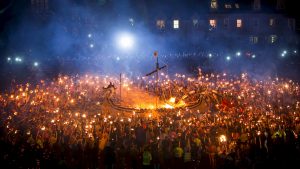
x=249, y=25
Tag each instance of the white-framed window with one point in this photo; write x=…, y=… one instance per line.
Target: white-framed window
x=239, y=23
x=213, y=23
x=160, y=24
x=195, y=22
x=213, y=4
x=272, y=22
x=253, y=39
x=176, y=24
x=273, y=38
x=228, y=6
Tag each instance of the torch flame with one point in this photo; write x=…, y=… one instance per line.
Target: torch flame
x=172, y=100
x=167, y=106
x=222, y=138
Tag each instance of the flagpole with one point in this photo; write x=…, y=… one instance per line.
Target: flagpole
x=157, y=69
x=156, y=91
x=120, y=87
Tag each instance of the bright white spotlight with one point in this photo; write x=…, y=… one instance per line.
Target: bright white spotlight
x=283, y=55
x=295, y=51
x=118, y=58
x=36, y=64
x=284, y=51
x=8, y=59
x=91, y=45
x=228, y=58
x=89, y=35
x=253, y=56
x=210, y=55
x=125, y=41
x=238, y=53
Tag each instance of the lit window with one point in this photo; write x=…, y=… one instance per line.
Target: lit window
x=213, y=23
x=237, y=6
x=238, y=23
x=272, y=22
x=213, y=4
x=160, y=24
x=272, y=38
x=176, y=24
x=228, y=6
x=253, y=39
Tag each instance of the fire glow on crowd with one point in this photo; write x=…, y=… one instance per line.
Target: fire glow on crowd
x=75, y=107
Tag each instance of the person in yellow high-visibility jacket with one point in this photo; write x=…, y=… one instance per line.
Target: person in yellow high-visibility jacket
x=147, y=158
x=178, y=154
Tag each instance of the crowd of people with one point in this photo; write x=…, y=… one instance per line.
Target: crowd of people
x=66, y=123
